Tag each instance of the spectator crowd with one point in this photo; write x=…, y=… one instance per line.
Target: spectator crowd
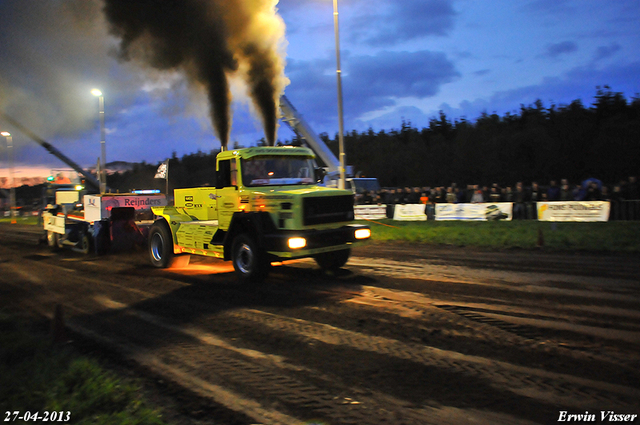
x=624, y=198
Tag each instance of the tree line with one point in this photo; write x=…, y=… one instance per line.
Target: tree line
x=538, y=143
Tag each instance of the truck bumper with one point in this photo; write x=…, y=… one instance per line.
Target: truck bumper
x=317, y=241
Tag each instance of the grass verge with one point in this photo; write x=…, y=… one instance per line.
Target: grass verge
x=615, y=236
x=20, y=220
x=38, y=377
x=612, y=236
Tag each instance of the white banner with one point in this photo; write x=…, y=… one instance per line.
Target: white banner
x=410, y=212
x=573, y=211
x=98, y=207
x=370, y=212
x=502, y=211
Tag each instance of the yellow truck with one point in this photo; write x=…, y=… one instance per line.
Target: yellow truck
x=266, y=206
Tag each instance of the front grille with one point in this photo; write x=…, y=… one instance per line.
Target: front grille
x=327, y=209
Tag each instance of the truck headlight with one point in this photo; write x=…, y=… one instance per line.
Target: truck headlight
x=297, y=243
x=363, y=233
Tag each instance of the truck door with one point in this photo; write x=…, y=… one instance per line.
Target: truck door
x=227, y=191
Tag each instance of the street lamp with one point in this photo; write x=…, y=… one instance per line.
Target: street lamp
x=12, y=192
x=103, y=150
x=341, y=184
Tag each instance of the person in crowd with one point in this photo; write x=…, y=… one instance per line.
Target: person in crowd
x=440, y=195
x=565, y=191
x=415, y=195
x=576, y=193
x=519, y=199
x=632, y=189
x=485, y=193
x=553, y=191
x=391, y=199
x=366, y=198
x=477, y=197
x=406, y=196
x=451, y=196
x=507, y=194
x=494, y=194
x=460, y=195
x=470, y=191
x=617, y=212
x=634, y=199
x=535, y=195
x=593, y=192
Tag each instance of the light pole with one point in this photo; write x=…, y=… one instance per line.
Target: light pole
x=103, y=149
x=12, y=192
x=341, y=184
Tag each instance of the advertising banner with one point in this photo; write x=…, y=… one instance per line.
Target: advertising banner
x=370, y=212
x=499, y=211
x=573, y=211
x=98, y=207
x=410, y=212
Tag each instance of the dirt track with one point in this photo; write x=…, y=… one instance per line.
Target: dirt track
x=402, y=335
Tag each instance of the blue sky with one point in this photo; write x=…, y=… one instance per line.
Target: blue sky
x=401, y=60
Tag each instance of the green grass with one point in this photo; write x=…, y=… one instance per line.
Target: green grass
x=37, y=377
x=20, y=220
x=614, y=236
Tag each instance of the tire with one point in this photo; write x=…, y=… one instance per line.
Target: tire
x=53, y=241
x=249, y=260
x=161, y=245
x=333, y=260
x=84, y=245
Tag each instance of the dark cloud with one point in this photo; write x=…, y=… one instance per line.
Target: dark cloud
x=552, y=90
x=554, y=50
x=605, y=52
x=370, y=83
x=400, y=74
x=550, y=7
x=383, y=23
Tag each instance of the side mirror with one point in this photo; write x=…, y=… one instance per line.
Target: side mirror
x=320, y=175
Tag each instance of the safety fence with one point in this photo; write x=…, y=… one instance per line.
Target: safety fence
x=576, y=211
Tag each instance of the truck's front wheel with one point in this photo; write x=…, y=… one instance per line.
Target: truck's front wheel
x=160, y=245
x=249, y=261
x=333, y=260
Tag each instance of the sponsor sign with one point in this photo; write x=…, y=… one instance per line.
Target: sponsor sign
x=370, y=212
x=98, y=207
x=573, y=211
x=410, y=212
x=499, y=211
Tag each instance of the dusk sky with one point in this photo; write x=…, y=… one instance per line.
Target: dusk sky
x=401, y=60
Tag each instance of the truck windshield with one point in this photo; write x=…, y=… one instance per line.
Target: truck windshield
x=277, y=171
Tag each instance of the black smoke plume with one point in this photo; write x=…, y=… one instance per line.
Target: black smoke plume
x=209, y=40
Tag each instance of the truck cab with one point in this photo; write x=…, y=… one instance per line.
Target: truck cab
x=266, y=206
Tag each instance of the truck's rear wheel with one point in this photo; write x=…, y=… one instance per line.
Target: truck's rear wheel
x=333, y=260
x=84, y=245
x=249, y=261
x=160, y=245
x=53, y=240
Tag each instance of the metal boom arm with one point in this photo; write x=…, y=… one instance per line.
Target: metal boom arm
x=299, y=126
x=53, y=151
